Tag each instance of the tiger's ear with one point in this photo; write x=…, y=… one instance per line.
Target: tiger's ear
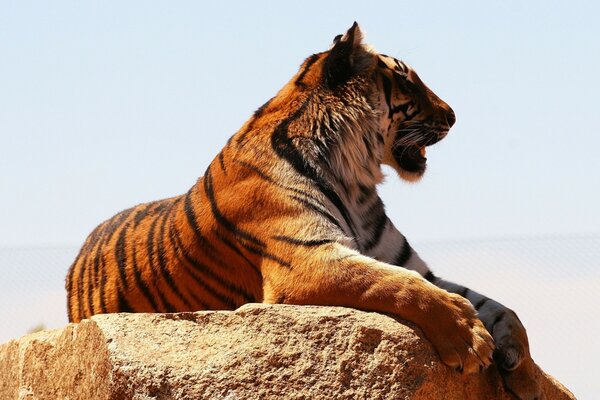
x=338, y=67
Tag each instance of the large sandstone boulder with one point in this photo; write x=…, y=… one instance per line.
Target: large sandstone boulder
x=256, y=352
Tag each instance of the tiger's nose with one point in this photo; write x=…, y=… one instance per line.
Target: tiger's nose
x=450, y=117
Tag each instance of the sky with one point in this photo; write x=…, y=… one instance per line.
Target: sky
x=104, y=105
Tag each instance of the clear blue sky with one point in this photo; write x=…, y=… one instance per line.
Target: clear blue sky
x=107, y=104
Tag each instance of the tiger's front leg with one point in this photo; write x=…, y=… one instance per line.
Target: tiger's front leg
x=512, y=346
x=332, y=274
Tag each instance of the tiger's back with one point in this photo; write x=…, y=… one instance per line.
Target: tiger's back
x=154, y=258
x=201, y=250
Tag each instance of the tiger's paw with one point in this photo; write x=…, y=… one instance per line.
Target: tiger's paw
x=522, y=381
x=512, y=355
x=459, y=337
x=512, y=345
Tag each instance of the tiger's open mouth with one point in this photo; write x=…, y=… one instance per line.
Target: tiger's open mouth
x=411, y=158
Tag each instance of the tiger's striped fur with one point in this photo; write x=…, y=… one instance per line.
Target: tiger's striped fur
x=288, y=212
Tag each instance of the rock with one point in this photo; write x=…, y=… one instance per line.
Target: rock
x=256, y=352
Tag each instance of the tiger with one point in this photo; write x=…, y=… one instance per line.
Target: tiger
x=288, y=213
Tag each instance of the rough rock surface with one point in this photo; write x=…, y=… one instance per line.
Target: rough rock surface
x=256, y=352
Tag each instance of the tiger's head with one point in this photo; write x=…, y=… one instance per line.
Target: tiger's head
x=411, y=117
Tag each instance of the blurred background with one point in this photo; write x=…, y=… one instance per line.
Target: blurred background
x=104, y=105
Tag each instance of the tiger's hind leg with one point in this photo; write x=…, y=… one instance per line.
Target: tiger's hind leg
x=512, y=355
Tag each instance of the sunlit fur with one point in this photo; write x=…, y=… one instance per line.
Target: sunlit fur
x=288, y=212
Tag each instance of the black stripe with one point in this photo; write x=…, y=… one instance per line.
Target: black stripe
x=404, y=255
x=222, y=162
x=415, y=111
x=311, y=60
x=96, y=268
x=121, y=255
x=301, y=192
x=260, y=110
x=69, y=288
x=114, y=223
x=92, y=239
x=191, y=215
x=499, y=318
x=257, y=114
x=124, y=305
x=162, y=263
x=150, y=242
x=70, y=278
x=256, y=170
x=198, y=269
x=141, y=214
x=150, y=250
x=201, y=241
x=319, y=210
x=481, y=302
x=382, y=64
x=80, y=290
x=366, y=193
x=267, y=178
x=387, y=91
x=221, y=219
x=380, y=225
x=90, y=291
x=237, y=251
x=403, y=108
x=102, y=283
x=337, y=202
x=403, y=83
x=400, y=66
x=309, y=196
x=430, y=276
x=463, y=292
x=374, y=214
x=375, y=217
x=301, y=242
x=141, y=284
x=264, y=254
